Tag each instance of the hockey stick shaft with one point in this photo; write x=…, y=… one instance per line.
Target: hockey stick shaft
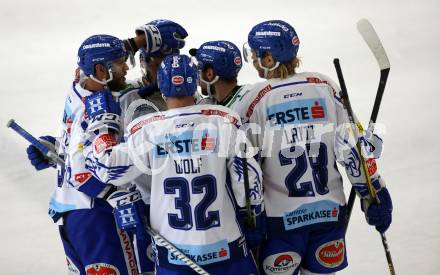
x=53, y=156
x=375, y=45
x=250, y=221
x=372, y=192
x=160, y=240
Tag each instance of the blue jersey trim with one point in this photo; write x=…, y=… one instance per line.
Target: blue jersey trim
x=289, y=84
x=92, y=187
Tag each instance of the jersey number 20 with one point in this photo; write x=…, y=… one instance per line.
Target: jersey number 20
x=199, y=185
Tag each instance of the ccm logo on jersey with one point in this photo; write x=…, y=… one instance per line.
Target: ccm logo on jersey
x=101, y=269
x=331, y=254
x=284, y=263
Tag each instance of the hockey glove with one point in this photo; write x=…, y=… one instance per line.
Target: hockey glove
x=153, y=38
x=130, y=212
x=103, y=111
x=379, y=215
x=38, y=160
x=173, y=37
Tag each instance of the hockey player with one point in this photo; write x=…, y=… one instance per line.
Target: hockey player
x=219, y=63
x=295, y=118
x=167, y=39
x=189, y=152
x=173, y=37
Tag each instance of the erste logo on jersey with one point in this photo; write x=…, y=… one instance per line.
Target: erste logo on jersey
x=188, y=143
x=331, y=254
x=203, y=254
x=297, y=112
x=311, y=213
x=281, y=263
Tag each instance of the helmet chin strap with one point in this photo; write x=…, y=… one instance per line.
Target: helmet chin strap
x=103, y=82
x=208, y=84
x=265, y=69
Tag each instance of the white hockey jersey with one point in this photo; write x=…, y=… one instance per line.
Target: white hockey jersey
x=66, y=197
x=293, y=122
x=76, y=185
x=191, y=154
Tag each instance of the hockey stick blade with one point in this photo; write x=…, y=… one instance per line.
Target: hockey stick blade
x=372, y=39
x=52, y=156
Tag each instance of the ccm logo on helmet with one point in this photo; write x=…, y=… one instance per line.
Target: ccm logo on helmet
x=177, y=80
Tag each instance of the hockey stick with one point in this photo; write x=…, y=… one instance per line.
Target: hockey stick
x=160, y=240
x=372, y=39
x=372, y=192
x=250, y=220
x=52, y=156
x=156, y=236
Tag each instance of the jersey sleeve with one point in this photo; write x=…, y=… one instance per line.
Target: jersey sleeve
x=237, y=162
x=80, y=177
x=110, y=162
x=345, y=145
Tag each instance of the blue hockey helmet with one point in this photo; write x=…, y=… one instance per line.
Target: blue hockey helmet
x=274, y=36
x=177, y=76
x=99, y=49
x=223, y=56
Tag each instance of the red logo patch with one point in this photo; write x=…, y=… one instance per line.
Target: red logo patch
x=331, y=254
x=223, y=252
x=237, y=60
x=318, y=111
x=208, y=143
x=177, y=80
x=104, y=142
x=283, y=260
x=101, y=269
x=295, y=41
x=83, y=177
x=372, y=167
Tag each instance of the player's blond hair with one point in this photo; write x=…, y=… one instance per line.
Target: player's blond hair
x=286, y=69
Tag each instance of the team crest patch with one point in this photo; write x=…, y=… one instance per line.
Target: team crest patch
x=331, y=254
x=101, y=269
x=281, y=263
x=83, y=177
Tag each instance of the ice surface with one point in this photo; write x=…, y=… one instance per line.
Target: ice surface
x=39, y=40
